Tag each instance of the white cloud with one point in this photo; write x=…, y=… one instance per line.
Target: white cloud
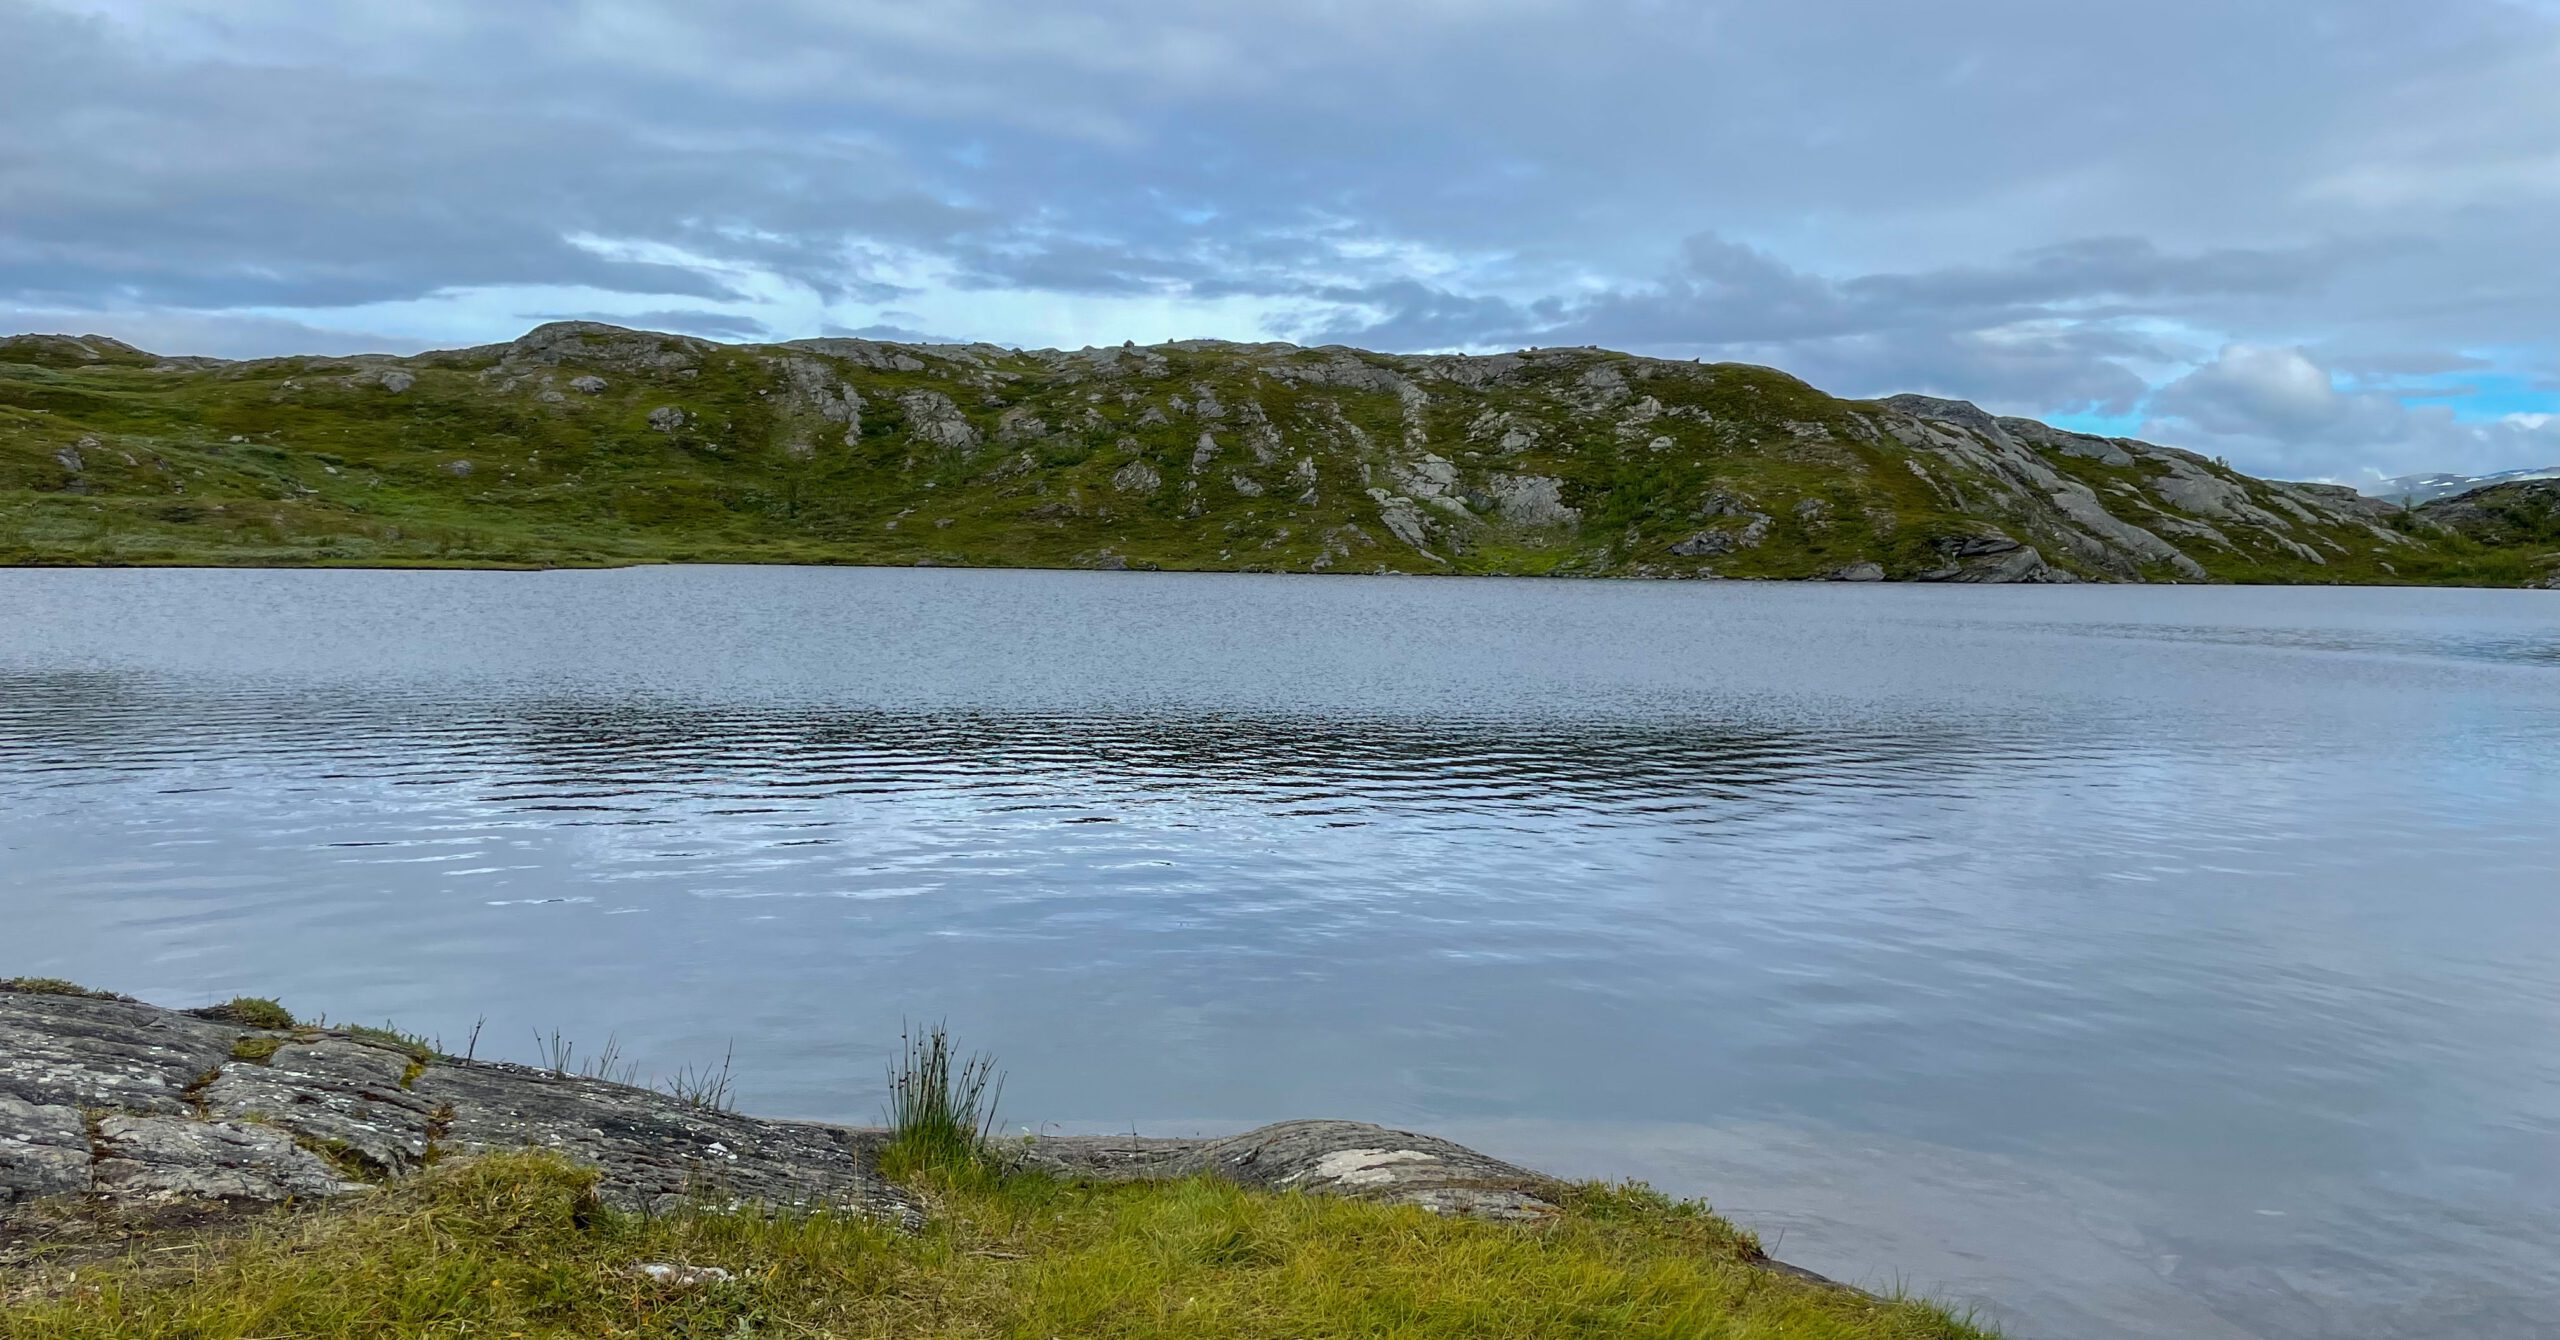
x=2276, y=411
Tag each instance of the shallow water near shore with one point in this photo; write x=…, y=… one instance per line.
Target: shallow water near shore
x=2126, y=961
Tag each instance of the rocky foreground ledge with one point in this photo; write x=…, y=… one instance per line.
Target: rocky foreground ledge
x=135, y=1105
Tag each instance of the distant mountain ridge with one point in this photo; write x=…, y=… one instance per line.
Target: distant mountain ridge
x=581, y=443
x=2419, y=490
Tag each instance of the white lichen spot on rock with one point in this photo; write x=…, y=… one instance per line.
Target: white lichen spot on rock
x=1359, y=1167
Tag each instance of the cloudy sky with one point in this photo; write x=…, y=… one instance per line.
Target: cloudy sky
x=2321, y=237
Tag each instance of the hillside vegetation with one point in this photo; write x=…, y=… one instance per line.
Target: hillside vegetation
x=589, y=444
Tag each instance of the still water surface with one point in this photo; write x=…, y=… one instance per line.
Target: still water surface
x=2124, y=961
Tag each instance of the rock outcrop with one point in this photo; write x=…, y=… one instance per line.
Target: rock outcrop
x=136, y=1105
x=133, y=1103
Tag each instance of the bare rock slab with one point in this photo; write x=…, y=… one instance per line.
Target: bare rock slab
x=155, y=1157
x=1342, y=1158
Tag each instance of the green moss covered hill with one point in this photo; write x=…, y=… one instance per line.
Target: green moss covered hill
x=589, y=444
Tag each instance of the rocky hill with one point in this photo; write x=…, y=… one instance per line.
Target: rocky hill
x=585, y=443
x=2524, y=513
x=2418, y=490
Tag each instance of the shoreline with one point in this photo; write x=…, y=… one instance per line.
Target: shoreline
x=820, y=564
x=139, y=1108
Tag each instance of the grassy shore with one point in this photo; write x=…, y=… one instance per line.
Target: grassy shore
x=521, y=1245
x=517, y=1245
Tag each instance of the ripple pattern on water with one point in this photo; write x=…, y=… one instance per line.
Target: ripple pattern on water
x=2238, y=904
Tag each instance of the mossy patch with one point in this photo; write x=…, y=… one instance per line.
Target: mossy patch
x=248, y=1012
x=256, y=1048
x=55, y=986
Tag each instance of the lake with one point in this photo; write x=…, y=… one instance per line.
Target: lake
x=2123, y=961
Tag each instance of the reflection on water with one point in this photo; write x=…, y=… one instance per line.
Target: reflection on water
x=2102, y=956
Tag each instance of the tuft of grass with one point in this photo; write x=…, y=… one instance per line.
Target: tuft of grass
x=257, y=1049
x=416, y=1048
x=710, y=1088
x=55, y=986
x=560, y=1057
x=518, y=1244
x=942, y=1106
x=249, y=1012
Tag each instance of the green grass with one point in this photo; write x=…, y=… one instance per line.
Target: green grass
x=517, y=1246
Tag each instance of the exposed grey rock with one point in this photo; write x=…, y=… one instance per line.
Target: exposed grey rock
x=181, y=1118
x=122, y=1056
x=2106, y=451
x=2010, y=563
x=1339, y=1158
x=2075, y=501
x=1977, y=546
x=395, y=381
x=44, y=1149
x=1404, y=520
x=1709, y=543
x=1337, y=367
x=1204, y=452
x=458, y=469
x=933, y=418
x=1602, y=386
x=1020, y=425
x=1859, y=572
x=587, y=385
x=811, y=389
x=1245, y=485
x=347, y=1093
x=140, y=1158
x=601, y=345
x=1429, y=479
x=1136, y=477
x=1531, y=500
x=873, y=354
x=1475, y=371
x=666, y=418
x=69, y=459
x=655, y=1151
x=2192, y=485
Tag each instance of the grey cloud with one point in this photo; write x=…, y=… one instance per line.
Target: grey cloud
x=2048, y=206
x=206, y=334
x=1973, y=333
x=889, y=331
